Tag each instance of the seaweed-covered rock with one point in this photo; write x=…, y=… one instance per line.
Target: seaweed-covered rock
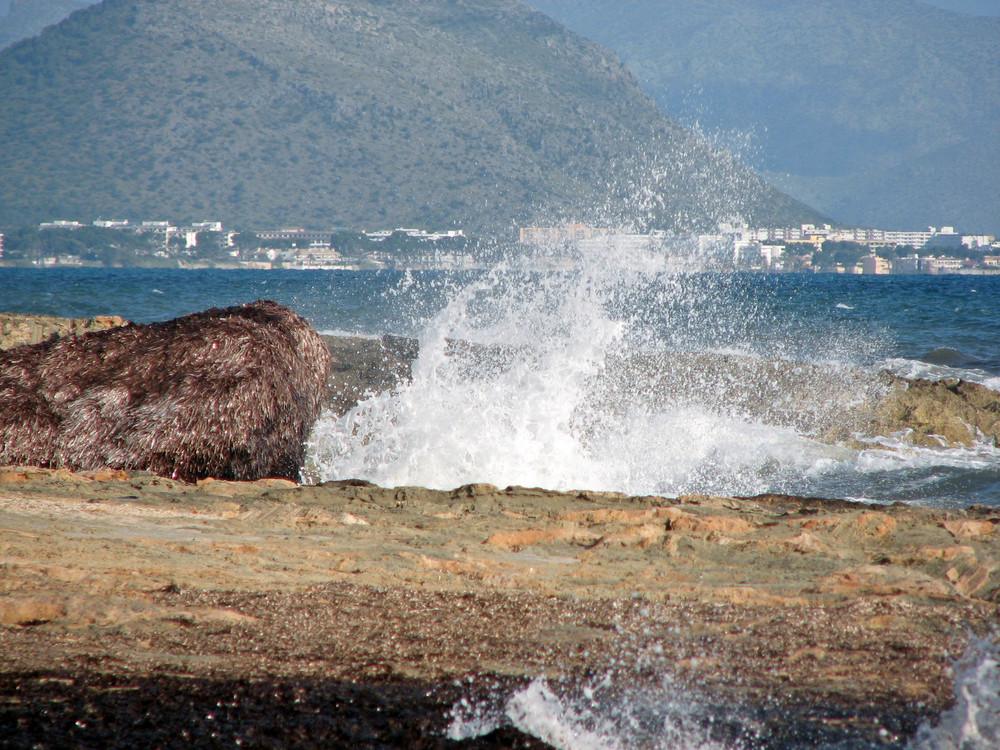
x=229, y=393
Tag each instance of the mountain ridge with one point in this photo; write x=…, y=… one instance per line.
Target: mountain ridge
x=355, y=114
x=835, y=96
x=20, y=19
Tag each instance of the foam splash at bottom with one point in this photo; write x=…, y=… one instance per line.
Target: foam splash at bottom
x=596, y=717
x=973, y=722
x=604, y=715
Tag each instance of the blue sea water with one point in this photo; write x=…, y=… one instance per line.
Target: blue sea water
x=950, y=319
x=534, y=423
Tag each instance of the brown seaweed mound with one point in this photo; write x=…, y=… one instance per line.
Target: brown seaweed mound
x=229, y=393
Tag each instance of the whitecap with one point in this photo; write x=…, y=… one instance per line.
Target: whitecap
x=915, y=369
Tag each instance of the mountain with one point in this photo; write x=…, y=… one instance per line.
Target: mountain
x=365, y=113
x=20, y=19
x=884, y=113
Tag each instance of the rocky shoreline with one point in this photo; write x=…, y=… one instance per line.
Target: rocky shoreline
x=923, y=412
x=847, y=616
x=137, y=610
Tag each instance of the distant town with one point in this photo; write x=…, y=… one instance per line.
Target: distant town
x=207, y=244
x=804, y=249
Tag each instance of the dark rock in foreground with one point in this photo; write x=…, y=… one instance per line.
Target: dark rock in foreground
x=228, y=393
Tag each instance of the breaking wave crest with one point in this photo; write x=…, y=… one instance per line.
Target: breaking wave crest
x=642, y=379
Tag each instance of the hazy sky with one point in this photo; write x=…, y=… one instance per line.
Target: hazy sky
x=973, y=7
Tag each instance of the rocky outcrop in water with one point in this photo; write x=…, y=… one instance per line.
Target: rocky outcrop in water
x=229, y=393
x=940, y=412
x=829, y=402
x=833, y=403
x=363, y=366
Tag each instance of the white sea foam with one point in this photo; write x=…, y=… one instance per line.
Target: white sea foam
x=915, y=369
x=519, y=382
x=595, y=718
x=973, y=722
x=603, y=715
x=340, y=333
x=511, y=387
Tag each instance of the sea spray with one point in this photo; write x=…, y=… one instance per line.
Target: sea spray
x=599, y=715
x=500, y=373
x=973, y=722
x=618, y=712
x=586, y=374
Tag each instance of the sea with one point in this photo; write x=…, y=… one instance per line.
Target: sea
x=641, y=380
x=637, y=375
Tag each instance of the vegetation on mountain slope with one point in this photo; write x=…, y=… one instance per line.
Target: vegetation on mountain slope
x=479, y=113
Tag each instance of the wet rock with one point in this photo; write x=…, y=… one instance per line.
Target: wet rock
x=362, y=367
x=936, y=412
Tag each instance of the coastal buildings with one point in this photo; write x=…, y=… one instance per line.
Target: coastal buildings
x=806, y=248
x=567, y=233
x=872, y=264
x=209, y=244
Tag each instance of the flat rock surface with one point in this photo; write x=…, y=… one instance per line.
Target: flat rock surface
x=314, y=615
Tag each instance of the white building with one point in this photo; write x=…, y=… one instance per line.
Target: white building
x=207, y=226
x=872, y=264
x=973, y=241
x=913, y=239
x=770, y=254
x=60, y=225
x=942, y=265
